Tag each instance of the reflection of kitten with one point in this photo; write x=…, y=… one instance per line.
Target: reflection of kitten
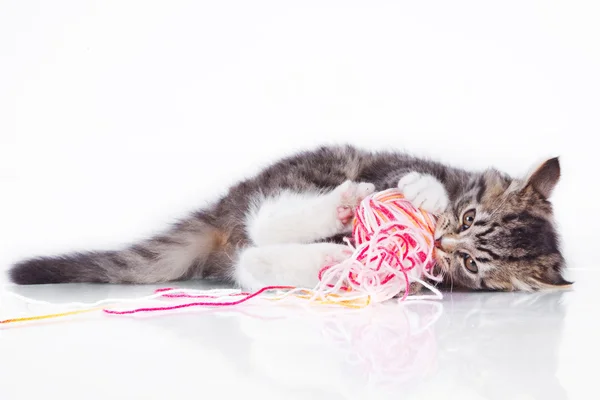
x=315, y=353
x=279, y=227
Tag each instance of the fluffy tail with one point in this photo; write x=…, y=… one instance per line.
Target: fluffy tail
x=183, y=252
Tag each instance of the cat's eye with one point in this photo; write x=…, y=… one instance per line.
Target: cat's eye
x=469, y=263
x=467, y=220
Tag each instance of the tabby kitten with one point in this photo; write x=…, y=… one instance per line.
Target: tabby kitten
x=281, y=226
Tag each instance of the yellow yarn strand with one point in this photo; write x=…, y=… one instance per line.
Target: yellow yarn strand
x=48, y=316
x=330, y=299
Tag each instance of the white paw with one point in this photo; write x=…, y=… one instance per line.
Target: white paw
x=286, y=264
x=347, y=197
x=425, y=192
x=335, y=254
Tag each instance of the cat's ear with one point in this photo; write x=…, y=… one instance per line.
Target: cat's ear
x=551, y=280
x=544, y=177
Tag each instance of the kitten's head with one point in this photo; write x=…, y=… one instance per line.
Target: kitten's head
x=499, y=234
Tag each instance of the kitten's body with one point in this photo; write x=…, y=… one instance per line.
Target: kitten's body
x=280, y=226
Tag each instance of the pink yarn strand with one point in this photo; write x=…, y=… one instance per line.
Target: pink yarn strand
x=200, y=303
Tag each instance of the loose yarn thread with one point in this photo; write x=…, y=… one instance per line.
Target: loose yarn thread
x=220, y=301
x=214, y=303
x=48, y=316
x=218, y=298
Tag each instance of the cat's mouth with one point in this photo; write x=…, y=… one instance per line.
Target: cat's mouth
x=442, y=259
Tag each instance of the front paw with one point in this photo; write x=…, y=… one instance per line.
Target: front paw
x=425, y=192
x=347, y=197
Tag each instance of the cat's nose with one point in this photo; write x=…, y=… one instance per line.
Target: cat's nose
x=447, y=244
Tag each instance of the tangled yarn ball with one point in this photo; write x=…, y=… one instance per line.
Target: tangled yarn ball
x=393, y=244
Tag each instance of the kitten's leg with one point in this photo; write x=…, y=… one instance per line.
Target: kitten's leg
x=424, y=191
x=286, y=264
x=292, y=217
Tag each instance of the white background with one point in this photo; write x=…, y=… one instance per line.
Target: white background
x=118, y=117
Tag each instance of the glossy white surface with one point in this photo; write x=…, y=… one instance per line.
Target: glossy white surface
x=468, y=346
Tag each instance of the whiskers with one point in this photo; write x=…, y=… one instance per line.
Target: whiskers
x=444, y=270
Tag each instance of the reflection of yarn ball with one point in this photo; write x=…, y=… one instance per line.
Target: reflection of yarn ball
x=392, y=350
x=394, y=243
